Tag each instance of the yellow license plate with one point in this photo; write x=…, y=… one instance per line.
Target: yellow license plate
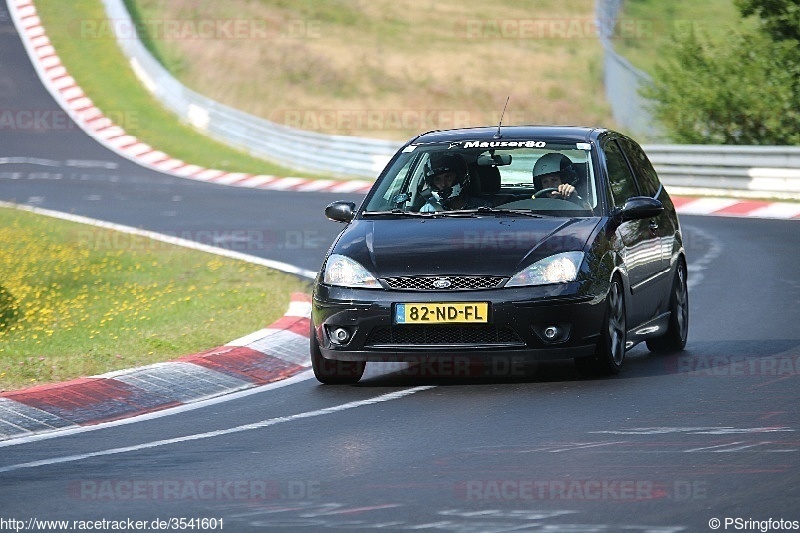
x=441, y=313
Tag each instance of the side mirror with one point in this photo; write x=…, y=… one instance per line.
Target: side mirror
x=640, y=207
x=340, y=211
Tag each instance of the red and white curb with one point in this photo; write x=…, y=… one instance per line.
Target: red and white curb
x=92, y=120
x=271, y=354
x=736, y=208
x=95, y=123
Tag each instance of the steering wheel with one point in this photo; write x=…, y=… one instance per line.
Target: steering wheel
x=545, y=192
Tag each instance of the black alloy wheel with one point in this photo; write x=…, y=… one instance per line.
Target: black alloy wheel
x=610, y=352
x=674, y=339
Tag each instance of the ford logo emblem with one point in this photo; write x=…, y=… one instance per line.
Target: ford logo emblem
x=441, y=283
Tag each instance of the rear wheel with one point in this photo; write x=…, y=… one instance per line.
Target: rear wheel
x=332, y=371
x=610, y=352
x=674, y=340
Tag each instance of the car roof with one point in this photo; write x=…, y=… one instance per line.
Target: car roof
x=487, y=133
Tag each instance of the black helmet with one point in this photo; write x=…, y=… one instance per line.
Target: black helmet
x=441, y=164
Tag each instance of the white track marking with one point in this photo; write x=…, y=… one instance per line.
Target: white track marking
x=712, y=430
x=277, y=265
x=584, y=446
x=727, y=448
x=697, y=266
x=211, y=434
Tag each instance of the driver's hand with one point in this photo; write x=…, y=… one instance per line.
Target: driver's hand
x=565, y=190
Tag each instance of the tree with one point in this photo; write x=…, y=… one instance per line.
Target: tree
x=779, y=18
x=741, y=89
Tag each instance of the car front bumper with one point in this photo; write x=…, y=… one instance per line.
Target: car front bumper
x=516, y=329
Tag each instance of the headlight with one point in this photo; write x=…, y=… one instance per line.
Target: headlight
x=559, y=268
x=344, y=272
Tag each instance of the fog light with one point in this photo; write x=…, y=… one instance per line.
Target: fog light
x=340, y=336
x=551, y=332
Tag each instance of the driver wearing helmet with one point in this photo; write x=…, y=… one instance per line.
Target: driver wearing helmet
x=448, y=179
x=555, y=171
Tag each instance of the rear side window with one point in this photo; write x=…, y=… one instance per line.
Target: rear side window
x=645, y=173
x=620, y=178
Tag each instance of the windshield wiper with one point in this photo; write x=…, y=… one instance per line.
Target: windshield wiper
x=464, y=213
x=496, y=211
x=396, y=212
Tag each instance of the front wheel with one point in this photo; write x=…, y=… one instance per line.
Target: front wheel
x=331, y=371
x=674, y=339
x=610, y=352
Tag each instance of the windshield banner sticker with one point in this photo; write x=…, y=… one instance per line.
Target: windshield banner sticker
x=504, y=144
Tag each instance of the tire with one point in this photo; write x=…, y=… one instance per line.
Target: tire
x=610, y=352
x=674, y=339
x=331, y=371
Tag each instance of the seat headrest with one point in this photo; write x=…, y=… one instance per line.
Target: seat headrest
x=489, y=179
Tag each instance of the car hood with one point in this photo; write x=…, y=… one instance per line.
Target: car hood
x=481, y=245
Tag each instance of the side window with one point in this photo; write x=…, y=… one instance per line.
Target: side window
x=619, y=174
x=645, y=173
x=390, y=187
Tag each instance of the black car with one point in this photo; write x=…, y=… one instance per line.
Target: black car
x=526, y=242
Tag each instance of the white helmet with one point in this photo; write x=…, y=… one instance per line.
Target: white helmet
x=551, y=163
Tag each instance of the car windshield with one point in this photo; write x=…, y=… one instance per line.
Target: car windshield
x=486, y=177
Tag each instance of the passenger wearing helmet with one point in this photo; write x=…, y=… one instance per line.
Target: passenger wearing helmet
x=555, y=171
x=447, y=179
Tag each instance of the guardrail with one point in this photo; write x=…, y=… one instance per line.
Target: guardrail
x=754, y=171
x=302, y=150
x=739, y=170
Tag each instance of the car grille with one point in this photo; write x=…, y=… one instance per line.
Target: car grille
x=429, y=283
x=419, y=335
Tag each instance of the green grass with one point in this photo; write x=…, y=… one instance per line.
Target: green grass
x=76, y=300
x=651, y=24
x=100, y=69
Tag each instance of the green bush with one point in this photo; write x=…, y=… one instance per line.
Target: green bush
x=743, y=88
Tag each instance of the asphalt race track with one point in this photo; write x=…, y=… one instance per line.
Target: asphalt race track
x=670, y=444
